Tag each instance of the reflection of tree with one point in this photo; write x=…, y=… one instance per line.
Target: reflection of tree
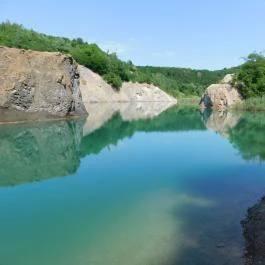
x=248, y=136
x=246, y=131
x=115, y=129
x=32, y=152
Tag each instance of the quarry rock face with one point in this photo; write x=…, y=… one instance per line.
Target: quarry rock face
x=32, y=81
x=94, y=89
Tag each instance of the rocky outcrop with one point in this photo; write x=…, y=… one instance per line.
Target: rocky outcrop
x=32, y=81
x=220, y=96
x=254, y=232
x=95, y=89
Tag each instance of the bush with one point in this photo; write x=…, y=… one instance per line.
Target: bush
x=114, y=80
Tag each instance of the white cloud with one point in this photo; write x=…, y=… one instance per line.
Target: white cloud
x=113, y=46
x=169, y=54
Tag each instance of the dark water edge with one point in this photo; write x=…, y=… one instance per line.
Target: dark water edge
x=167, y=190
x=9, y=116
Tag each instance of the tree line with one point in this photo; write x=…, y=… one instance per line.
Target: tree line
x=178, y=82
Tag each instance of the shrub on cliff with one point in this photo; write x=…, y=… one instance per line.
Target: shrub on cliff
x=114, y=80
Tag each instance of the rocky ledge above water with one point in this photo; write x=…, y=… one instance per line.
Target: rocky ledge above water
x=32, y=81
x=254, y=233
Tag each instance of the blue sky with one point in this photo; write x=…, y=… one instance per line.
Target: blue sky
x=200, y=34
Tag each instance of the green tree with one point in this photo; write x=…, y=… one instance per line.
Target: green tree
x=250, y=78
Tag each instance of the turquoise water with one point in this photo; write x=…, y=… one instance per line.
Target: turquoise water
x=170, y=190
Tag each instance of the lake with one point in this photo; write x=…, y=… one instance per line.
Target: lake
x=166, y=188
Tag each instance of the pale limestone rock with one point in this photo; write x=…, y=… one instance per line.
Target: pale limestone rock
x=220, y=96
x=95, y=89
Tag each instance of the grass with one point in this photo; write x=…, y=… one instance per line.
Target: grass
x=251, y=104
x=189, y=101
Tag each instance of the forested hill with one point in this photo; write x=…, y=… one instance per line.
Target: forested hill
x=181, y=81
x=175, y=81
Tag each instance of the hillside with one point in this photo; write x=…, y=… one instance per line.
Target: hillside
x=175, y=81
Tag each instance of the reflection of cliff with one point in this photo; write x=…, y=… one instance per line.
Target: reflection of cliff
x=244, y=130
x=99, y=113
x=116, y=128
x=220, y=121
x=36, y=151
x=32, y=152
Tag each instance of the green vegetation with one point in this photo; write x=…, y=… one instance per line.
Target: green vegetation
x=251, y=104
x=180, y=81
x=109, y=66
x=175, y=81
x=250, y=77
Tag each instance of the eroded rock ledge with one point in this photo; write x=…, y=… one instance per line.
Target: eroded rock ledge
x=254, y=233
x=32, y=81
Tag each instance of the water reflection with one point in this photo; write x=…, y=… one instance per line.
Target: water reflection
x=100, y=113
x=171, y=192
x=117, y=128
x=248, y=136
x=245, y=131
x=33, y=152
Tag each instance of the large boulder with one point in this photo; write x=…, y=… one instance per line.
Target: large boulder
x=220, y=96
x=32, y=81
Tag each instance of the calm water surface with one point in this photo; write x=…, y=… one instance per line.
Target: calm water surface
x=170, y=190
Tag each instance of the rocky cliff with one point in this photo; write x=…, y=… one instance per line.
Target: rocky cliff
x=95, y=89
x=33, y=81
x=220, y=96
